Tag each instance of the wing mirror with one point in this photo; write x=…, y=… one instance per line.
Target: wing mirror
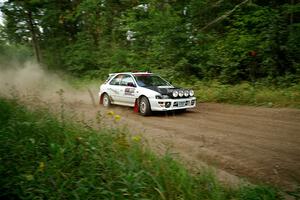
x=130, y=84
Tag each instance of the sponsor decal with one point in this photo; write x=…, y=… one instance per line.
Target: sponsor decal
x=129, y=91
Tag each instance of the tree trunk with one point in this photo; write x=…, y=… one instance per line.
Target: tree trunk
x=34, y=38
x=292, y=14
x=224, y=16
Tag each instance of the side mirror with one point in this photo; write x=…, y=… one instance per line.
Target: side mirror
x=130, y=84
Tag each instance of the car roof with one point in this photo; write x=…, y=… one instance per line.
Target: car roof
x=132, y=73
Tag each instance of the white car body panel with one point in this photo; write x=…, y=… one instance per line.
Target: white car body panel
x=127, y=95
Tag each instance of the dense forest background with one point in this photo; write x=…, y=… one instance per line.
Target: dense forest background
x=225, y=40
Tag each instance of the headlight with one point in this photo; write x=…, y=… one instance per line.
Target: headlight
x=191, y=93
x=175, y=93
x=180, y=93
x=186, y=93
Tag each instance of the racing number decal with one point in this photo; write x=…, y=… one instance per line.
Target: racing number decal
x=129, y=91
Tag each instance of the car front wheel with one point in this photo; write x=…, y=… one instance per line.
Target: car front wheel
x=144, y=106
x=106, y=100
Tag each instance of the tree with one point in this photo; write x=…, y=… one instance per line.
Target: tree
x=229, y=40
x=22, y=23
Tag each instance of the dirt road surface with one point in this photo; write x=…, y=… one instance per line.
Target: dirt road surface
x=261, y=145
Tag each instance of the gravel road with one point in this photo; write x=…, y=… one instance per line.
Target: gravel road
x=259, y=144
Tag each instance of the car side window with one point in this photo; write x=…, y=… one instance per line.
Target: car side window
x=127, y=81
x=116, y=80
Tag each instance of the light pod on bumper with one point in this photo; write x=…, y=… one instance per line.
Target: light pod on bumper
x=180, y=93
x=191, y=93
x=186, y=93
x=175, y=93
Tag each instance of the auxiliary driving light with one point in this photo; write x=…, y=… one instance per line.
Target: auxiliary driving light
x=180, y=93
x=186, y=93
x=191, y=93
x=175, y=93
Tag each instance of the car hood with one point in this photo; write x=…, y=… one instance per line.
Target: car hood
x=164, y=90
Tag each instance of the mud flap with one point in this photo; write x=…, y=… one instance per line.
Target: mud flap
x=136, y=106
x=101, y=99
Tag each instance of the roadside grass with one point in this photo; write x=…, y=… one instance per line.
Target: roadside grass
x=45, y=158
x=247, y=94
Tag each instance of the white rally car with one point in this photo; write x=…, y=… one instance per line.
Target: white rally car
x=146, y=92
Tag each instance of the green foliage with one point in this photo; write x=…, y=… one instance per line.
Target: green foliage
x=10, y=54
x=80, y=56
x=42, y=158
x=257, y=41
x=245, y=53
x=252, y=193
x=248, y=94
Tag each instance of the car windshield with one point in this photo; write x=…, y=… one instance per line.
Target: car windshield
x=148, y=80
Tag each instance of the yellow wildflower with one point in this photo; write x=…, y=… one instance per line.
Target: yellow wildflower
x=29, y=177
x=110, y=113
x=117, y=118
x=136, y=138
x=41, y=167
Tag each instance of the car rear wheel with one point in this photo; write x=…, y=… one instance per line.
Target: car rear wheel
x=144, y=106
x=106, y=100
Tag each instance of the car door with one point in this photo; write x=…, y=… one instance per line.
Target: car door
x=115, y=90
x=129, y=89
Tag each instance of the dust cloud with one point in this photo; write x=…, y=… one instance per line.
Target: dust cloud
x=31, y=80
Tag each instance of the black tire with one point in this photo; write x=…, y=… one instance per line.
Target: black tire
x=106, y=100
x=144, y=106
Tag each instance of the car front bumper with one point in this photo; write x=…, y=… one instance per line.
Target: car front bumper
x=172, y=104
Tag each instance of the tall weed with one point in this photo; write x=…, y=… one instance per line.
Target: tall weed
x=45, y=158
